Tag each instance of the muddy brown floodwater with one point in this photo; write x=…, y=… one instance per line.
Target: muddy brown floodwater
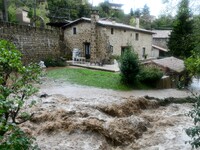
x=73, y=117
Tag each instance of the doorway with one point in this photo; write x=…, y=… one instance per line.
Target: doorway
x=87, y=50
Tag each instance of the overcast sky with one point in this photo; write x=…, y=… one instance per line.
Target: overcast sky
x=156, y=6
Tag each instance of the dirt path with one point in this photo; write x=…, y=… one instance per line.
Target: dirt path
x=74, y=117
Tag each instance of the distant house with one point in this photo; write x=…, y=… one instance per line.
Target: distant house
x=98, y=39
x=160, y=39
x=170, y=65
x=22, y=16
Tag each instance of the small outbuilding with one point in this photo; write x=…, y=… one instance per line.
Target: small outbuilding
x=173, y=69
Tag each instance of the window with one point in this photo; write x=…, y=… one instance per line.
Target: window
x=137, y=36
x=111, y=48
x=112, y=31
x=144, y=52
x=74, y=30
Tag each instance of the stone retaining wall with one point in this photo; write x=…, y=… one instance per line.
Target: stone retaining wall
x=35, y=44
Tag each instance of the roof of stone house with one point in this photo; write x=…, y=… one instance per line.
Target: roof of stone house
x=161, y=33
x=111, y=24
x=159, y=48
x=58, y=24
x=172, y=63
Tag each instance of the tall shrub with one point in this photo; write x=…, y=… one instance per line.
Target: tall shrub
x=16, y=85
x=129, y=66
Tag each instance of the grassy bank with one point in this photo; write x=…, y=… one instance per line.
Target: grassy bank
x=88, y=77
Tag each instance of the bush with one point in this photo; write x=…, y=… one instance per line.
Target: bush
x=54, y=62
x=129, y=67
x=16, y=139
x=16, y=85
x=194, y=131
x=150, y=75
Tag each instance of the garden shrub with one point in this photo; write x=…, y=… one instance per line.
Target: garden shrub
x=129, y=66
x=54, y=62
x=149, y=75
x=16, y=85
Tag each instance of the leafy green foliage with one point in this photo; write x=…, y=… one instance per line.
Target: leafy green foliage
x=129, y=66
x=61, y=10
x=193, y=64
x=15, y=86
x=150, y=75
x=180, y=41
x=194, y=131
x=16, y=139
x=14, y=5
x=163, y=22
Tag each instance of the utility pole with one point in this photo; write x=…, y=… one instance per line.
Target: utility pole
x=34, y=12
x=35, y=5
x=5, y=10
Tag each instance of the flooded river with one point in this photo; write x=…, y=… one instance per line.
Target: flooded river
x=73, y=117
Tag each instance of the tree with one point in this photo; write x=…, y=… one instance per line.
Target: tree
x=193, y=67
x=104, y=9
x=163, y=22
x=16, y=85
x=5, y=10
x=193, y=62
x=61, y=10
x=129, y=66
x=145, y=19
x=180, y=41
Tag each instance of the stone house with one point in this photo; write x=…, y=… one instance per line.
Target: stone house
x=160, y=39
x=99, y=39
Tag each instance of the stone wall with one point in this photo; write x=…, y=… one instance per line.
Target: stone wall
x=76, y=41
x=35, y=44
x=161, y=42
x=123, y=37
x=86, y=33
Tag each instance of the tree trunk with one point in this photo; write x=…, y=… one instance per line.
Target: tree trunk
x=5, y=11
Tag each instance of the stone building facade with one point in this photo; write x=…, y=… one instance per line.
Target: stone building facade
x=160, y=39
x=35, y=44
x=99, y=39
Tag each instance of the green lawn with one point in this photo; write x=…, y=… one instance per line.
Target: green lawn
x=101, y=79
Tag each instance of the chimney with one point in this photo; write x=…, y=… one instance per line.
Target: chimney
x=137, y=20
x=94, y=35
x=94, y=16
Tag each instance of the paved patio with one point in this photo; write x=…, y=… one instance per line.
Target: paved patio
x=111, y=68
